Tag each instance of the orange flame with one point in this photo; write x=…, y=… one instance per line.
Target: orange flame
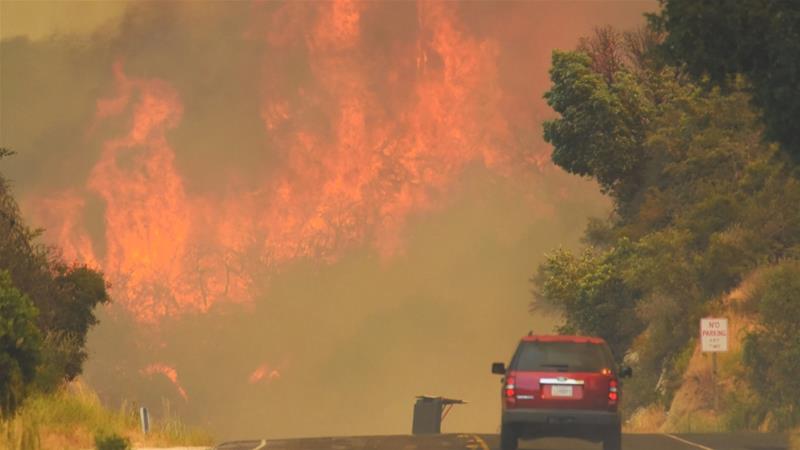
x=394, y=141
x=263, y=373
x=63, y=211
x=170, y=373
x=151, y=225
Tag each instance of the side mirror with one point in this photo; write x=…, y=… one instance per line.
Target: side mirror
x=498, y=368
x=625, y=372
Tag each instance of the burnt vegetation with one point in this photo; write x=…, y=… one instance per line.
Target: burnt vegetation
x=689, y=126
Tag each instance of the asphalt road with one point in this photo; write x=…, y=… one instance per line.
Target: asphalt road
x=723, y=441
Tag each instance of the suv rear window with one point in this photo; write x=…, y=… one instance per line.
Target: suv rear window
x=562, y=357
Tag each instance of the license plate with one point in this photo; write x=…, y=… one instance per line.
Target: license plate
x=561, y=391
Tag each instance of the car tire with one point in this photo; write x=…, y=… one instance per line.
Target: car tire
x=508, y=438
x=613, y=439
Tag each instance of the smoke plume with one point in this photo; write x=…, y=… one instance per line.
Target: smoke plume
x=309, y=213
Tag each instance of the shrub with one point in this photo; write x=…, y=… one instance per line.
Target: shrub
x=59, y=351
x=111, y=441
x=65, y=295
x=771, y=353
x=20, y=344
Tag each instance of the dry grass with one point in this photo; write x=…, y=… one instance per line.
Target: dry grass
x=646, y=420
x=70, y=418
x=794, y=439
x=692, y=406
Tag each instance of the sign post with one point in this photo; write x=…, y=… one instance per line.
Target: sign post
x=714, y=339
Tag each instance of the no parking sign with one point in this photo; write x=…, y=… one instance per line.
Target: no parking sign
x=714, y=335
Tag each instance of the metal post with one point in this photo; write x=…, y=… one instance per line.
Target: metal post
x=145, y=419
x=446, y=411
x=714, y=380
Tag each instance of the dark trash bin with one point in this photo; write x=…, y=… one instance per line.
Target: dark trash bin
x=429, y=413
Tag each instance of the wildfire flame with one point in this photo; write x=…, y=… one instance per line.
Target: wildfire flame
x=169, y=372
x=263, y=373
x=394, y=141
x=62, y=212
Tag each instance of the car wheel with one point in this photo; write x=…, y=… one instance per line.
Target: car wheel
x=508, y=438
x=613, y=439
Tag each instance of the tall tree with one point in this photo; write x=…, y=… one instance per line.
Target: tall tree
x=756, y=38
x=590, y=292
x=701, y=200
x=601, y=131
x=65, y=295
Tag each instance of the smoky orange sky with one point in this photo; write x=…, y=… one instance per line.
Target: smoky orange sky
x=309, y=212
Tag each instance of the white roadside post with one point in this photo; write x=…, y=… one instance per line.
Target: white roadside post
x=145, y=418
x=714, y=339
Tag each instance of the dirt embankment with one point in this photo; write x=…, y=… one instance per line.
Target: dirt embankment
x=693, y=406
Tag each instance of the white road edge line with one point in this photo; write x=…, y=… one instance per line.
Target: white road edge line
x=262, y=445
x=693, y=444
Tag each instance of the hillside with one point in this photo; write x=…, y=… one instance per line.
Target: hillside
x=72, y=417
x=692, y=407
x=705, y=223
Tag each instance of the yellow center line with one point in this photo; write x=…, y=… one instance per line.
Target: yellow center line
x=480, y=441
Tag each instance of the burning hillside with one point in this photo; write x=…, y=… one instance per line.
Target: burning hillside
x=355, y=161
x=279, y=192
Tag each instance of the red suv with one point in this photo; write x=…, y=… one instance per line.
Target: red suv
x=564, y=386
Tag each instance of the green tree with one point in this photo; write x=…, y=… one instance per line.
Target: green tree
x=756, y=38
x=701, y=200
x=601, y=130
x=772, y=351
x=20, y=343
x=80, y=289
x=591, y=294
x=65, y=295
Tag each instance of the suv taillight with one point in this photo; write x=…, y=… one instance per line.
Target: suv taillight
x=510, y=390
x=613, y=391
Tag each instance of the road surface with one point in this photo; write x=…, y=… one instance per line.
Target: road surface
x=722, y=441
